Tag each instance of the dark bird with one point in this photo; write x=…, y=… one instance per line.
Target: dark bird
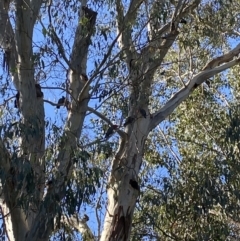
x=128, y=121
x=50, y=182
x=39, y=92
x=195, y=86
x=61, y=102
x=85, y=218
x=134, y=184
x=110, y=131
x=49, y=185
x=183, y=21
x=6, y=60
x=131, y=63
x=143, y=112
x=16, y=101
x=84, y=77
x=208, y=83
x=163, y=72
x=90, y=15
x=173, y=27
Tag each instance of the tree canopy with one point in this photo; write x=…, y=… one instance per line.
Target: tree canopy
x=119, y=120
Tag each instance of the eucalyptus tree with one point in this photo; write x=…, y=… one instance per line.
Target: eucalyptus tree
x=140, y=59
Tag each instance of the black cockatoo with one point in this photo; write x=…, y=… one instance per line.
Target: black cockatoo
x=39, y=92
x=183, y=21
x=61, y=102
x=134, y=184
x=128, y=121
x=163, y=72
x=16, y=101
x=110, y=131
x=143, y=112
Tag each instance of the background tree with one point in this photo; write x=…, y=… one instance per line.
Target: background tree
x=119, y=70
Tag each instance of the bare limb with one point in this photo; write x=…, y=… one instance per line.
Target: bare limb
x=103, y=117
x=198, y=79
x=5, y=101
x=158, y=48
x=223, y=59
x=106, y=56
x=35, y=7
x=98, y=204
x=171, y=32
x=7, y=42
x=120, y=132
x=80, y=225
x=124, y=26
x=4, y=157
x=169, y=146
x=55, y=38
x=51, y=103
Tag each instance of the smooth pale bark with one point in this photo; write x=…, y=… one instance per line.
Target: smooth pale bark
x=122, y=195
x=80, y=225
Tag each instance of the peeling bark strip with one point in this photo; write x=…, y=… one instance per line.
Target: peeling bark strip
x=121, y=225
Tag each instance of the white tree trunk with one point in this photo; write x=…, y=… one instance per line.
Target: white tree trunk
x=124, y=182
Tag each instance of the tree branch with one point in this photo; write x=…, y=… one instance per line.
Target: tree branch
x=80, y=225
x=4, y=158
x=7, y=43
x=121, y=133
x=16, y=219
x=124, y=26
x=198, y=79
x=36, y=4
x=157, y=43
x=106, y=56
x=101, y=116
x=158, y=48
x=223, y=59
x=55, y=38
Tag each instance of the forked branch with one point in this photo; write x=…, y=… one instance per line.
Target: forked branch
x=209, y=71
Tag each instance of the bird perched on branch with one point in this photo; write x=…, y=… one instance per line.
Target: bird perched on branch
x=6, y=60
x=16, y=101
x=61, y=102
x=90, y=15
x=110, y=131
x=143, y=112
x=134, y=184
x=182, y=20
x=128, y=121
x=84, y=77
x=163, y=72
x=39, y=92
